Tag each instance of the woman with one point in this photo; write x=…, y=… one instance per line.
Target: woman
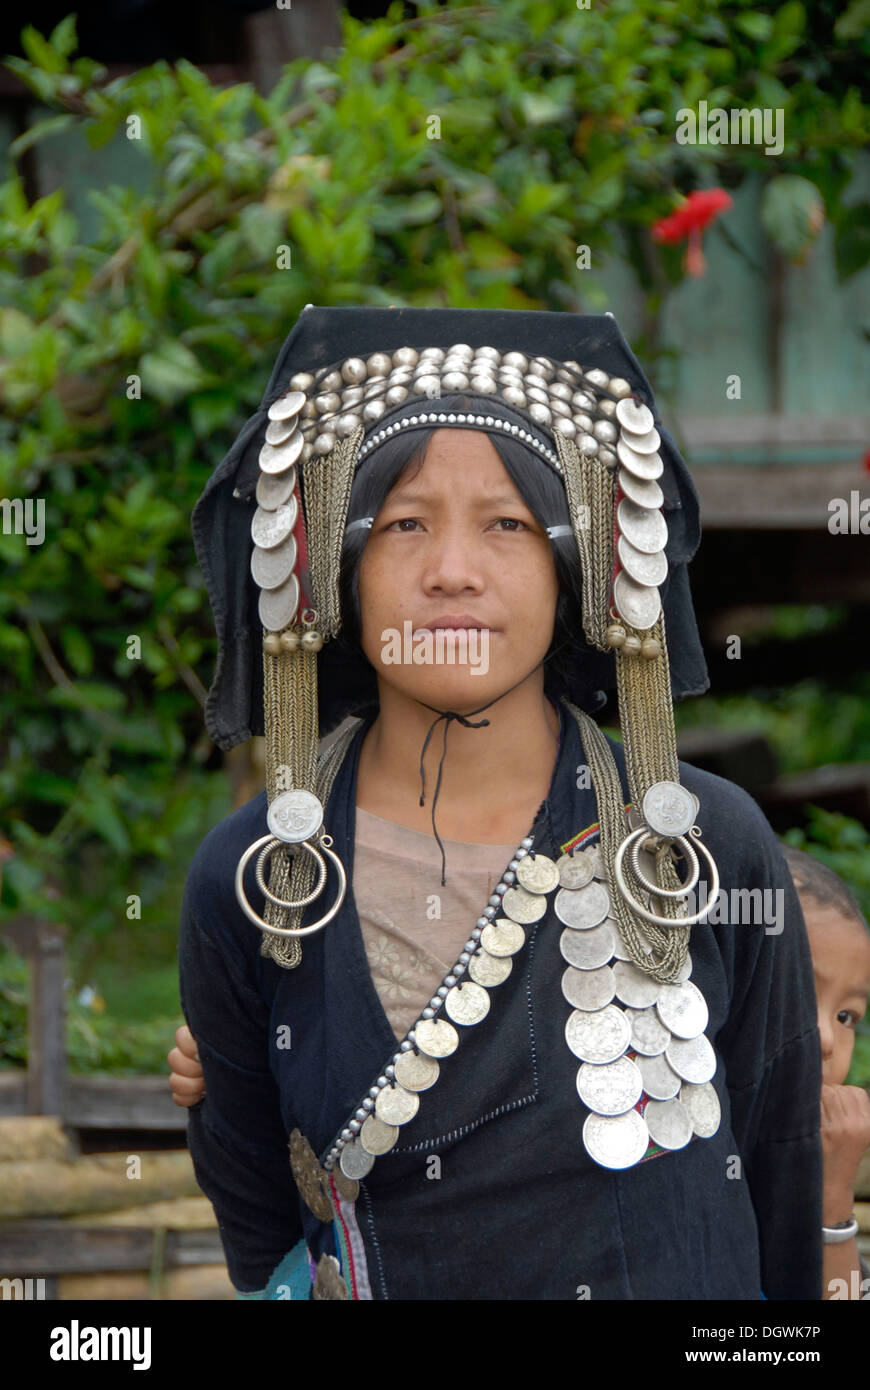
x=532, y=1106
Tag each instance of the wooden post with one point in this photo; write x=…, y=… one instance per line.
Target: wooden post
x=44, y=945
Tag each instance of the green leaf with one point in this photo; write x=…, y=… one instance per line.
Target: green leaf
x=41, y=52
x=63, y=39
x=792, y=213
x=42, y=130
x=854, y=22
x=171, y=372
x=755, y=24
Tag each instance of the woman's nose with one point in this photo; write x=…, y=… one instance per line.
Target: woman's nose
x=453, y=561
x=826, y=1035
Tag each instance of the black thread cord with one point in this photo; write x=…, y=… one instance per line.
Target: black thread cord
x=465, y=719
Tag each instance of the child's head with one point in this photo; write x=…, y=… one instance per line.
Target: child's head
x=840, y=947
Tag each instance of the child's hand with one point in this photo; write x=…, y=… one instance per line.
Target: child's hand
x=186, y=1081
x=845, y=1137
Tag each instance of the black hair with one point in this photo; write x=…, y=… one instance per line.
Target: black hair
x=544, y=494
x=816, y=880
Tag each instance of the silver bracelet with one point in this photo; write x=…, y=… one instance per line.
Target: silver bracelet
x=833, y=1235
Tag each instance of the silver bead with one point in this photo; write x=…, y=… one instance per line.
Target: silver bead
x=540, y=414
x=489, y=913
x=607, y=457
x=381, y=1082
x=537, y=393
x=406, y=357
x=588, y=444
x=461, y=350
x=307, y=450
x=309, y=410
x=560, y=391
x=606, y=407
x=455, y=381
x=561, y=410
x=581, y=400
x=584, y=423
x=514, y=864
x=458, y=969
x=605, y=431
x=476, y=933
x=354, y=370
x=442, y=992
x=390, y=1071
x=378, y=364
x=512, y=395
x=450, y=981
x=527, y=842
x=471, y=945
x=324, y=444
x=346, y=424
x=373, y=411
x=354, y=1126
x=543, y=367
x=481, y=923
x=397, y=395
x=483, y=385
x=360, y=1114
x=368, y=1105
x=352, y=395
x=432, y=354
x=510, y=876
x=427, y=385
x=516, y=359
x=328, y=403
x=406, y=1045
x=346, y=1134
x=495, y=900
x=490, y=354
x=374, y=1091
x=435, y=1002
x=501, y=889
x=521, y=853
x=331, y=382
x=301, y=381
x=464, y=958
x=598, y=378
x=575, y=366
x=619, y=387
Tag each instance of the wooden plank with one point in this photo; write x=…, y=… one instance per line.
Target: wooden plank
x=772, y=498
x=13, y=1093
x=56, y=1247
x=46, y=1023
x=114, y=1102
x=758, y=430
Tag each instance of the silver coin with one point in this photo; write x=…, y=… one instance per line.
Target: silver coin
x=467, y=1004
x=275, y=458
x=273, y=490
x=270, y=528
x=620, y=949
x=575, y=870
x=396, y=1106
x=637, y=604
x=646, y=530
x=436, y=1037
x=278, y=431
x=692, y=1058
x=643, y=443
x=538, y=875
x=633, y=986
x=610, y=1089
x=660, y=1081
x=598, y=1037
x=523, y=906
x=415, y=1071
x=594, y=854
x=668, y=1123
x=649, y=1036
x=489, y=970
x=669, y=809
x=502, y=937
x=616, y=1141
x=703, y=1108
x=645, y=467
x=647, y=495
x=288, y=405
x=634, y=416
x=587, y=950
x=377, y=1137
x=294, y=816
x=277, y=607
x=272, y=567
x=582, y=908
x=354, y=1161
x=644, y=569
x=588, y=990
x=683, y=1009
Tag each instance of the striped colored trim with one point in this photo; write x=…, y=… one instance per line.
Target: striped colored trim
x=583, y=835
x=350, y=1245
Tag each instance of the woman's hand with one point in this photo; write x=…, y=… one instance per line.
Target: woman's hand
x=185, y=1081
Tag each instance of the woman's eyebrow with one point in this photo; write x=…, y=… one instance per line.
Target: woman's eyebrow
x=488, y=499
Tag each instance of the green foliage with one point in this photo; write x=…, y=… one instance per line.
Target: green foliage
x=129, y=356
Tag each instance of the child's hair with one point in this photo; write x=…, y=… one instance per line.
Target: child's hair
x=815, y=880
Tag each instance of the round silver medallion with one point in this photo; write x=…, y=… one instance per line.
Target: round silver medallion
x=617, y=1141
x=683, y=1009
x=436, y=1037
x=703, y=1108
x=274, y=491
x=660, y=1081
x=642, y=494
x=651, y=570
x=645, y=467
x=270, y=528
x=668, y=1123
x=692, y=1058
x=377, y=1137
x=610, y=1089
x=582, y=908
x=467, y=1004
x=588, y=990
x=538, y=875
x=634, y=416
x=277, y=607
x=587, y=950
x=633, y=986
x=644, y=529
x=620, y=950
x=415, y=1071
x=275, y=458
x=502, y=937
x=598, y=1037
x=575, y=870
x=596, y=858
x=294, y=816
x=396, y=1106
x=278, y=431
x=637, y=604
x=354, y=1161
x=270, y=568
x=649, y=1036
x=288, y=405
x=489, y=970
x=669, y=809
x=644, y=443
x=523, y=906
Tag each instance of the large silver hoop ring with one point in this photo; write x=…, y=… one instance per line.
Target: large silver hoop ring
x=285, y=902
x=652, y=916
x=324, y=844
x=675, y=893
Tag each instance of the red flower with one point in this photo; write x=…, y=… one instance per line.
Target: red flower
x=689, y=221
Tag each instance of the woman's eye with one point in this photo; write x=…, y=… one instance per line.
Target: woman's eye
x=512, y=521
x=403, y=522
x=847, y=1018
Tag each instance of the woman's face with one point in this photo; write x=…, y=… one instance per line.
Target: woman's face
x=455, y=545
